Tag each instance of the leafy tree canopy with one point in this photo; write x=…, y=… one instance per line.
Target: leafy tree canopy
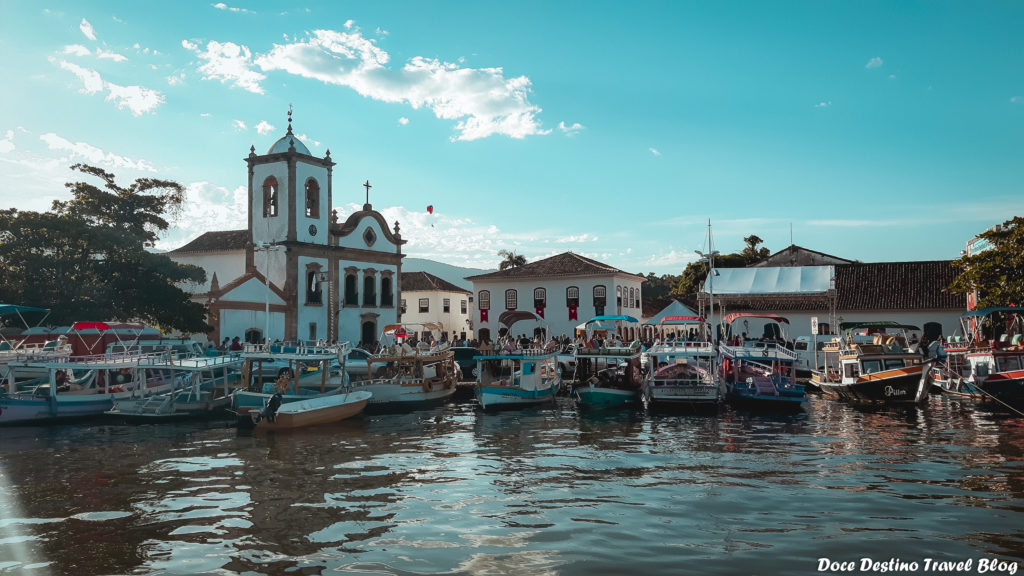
x=695, y=272
x=998, y=272
x=86, y=258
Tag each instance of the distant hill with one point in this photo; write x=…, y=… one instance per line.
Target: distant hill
x=454, y=274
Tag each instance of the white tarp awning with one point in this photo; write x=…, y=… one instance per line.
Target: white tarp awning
x=778, y=280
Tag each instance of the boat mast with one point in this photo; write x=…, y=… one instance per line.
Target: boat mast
x=710, y=259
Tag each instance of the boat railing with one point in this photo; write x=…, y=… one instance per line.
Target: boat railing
x=297, y=349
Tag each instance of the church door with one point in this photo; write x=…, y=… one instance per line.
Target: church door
x=368, y=334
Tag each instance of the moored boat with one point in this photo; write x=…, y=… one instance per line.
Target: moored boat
x=882, y=372
x=311, y=411
x=760, y=373
x=607, y=376
x=517, y=378
x=302, y=370
x=989, y=370
x=682, y=369
x=203, y=388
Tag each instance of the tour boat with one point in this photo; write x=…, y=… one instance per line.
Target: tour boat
x=517, y=378
x=682, y=372
x=405, y=378
x=308, y=370
x=987, y=370
x=82, y=386
x=311, y=411
x=607, y=376
x=203, y=387
x=760, y=373
x=882, y=372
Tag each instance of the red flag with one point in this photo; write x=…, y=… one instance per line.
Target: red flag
x=540, y=311
x=483, y=315
x=572, y=313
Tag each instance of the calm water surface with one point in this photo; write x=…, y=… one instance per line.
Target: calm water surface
x=548, y=491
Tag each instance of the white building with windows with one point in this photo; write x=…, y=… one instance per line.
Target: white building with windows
x=296, y=273
x=429, y=299
x=564, y=290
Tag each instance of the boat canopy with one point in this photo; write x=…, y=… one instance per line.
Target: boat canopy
x=729, y=318
x=6, y=309
x=112, y=326
x=510, y=317
x=986, y=311
x=402, y=329
x=771, y=280
x=883, y=324
x=623, y=317
x=682, y=320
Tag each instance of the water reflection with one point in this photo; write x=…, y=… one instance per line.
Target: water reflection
x=549, y=490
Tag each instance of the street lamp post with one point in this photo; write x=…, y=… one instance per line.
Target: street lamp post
x=266, y=247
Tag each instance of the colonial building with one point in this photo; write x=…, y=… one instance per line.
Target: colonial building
x=564, y=291
x=906, y=292
x=296, y=273
x=429, y=299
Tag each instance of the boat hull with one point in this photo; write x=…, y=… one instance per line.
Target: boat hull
x=682, y=397
x=1006, y=389
x=493, y=397
x=597, y=397
x=390, y=396
x=786, y=400
x=898, y=387
x=316, y=411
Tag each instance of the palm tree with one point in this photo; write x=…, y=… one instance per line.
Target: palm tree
x=511, y=259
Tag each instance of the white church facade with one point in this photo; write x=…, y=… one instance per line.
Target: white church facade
x=296, y=273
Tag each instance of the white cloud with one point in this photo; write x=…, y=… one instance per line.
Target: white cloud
x=76, y=50
x=307, y=140
x=572, y=130
x=348, y=24
x=238, y=124
x=655, y=151
x=86, y=29
x=576, y=239
x=223, y=6
x=823, y=104
x=207, y=208
x=7, y=144
x=92, y=82
x=264, y=128
x=228, y=62
x=176, y=80
x=875, y=62
x=403, y=121
x=482, y=101
x=137, y=99
x=92, y=155
x=109, y=55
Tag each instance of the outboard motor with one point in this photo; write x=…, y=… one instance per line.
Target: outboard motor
x=270, y=412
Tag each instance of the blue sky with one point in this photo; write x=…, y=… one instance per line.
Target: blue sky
x=878, y=131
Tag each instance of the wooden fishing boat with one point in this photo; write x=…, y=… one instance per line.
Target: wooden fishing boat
x=203, y=388
x=306, y=371
x=682, y=370
x=760, y=373
x=517, y=378
x=988, y=370
x=608, y=376
x=311, y=412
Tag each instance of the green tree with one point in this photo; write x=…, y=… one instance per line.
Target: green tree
x=997, y=273
x=510, y=259
x=751, y=253
x=86, y=258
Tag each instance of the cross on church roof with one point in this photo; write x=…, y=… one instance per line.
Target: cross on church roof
x=289, y=118
x=367, y=186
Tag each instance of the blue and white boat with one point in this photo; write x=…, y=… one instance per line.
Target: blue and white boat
x=607, y=376
x=517, y=378
x=760, y=373
x=298, y=371
x=682, y=374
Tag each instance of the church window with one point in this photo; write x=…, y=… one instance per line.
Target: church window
x=351, y=289
x=540, y=298
x=572, y=296
x=369, y=236
x=312, y=331
x=633, y=298
x=312, y=199
x=511, y=299
x=369, y=291
x=446, y=305
x=270, y=192
x=314, y=290
x=485, y=300
x=464, y=308
x=600, y=299
x=424, y=305
x=387, y=292
x=253, y=336
x=618, y=296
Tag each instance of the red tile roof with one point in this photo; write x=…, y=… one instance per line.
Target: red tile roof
x=427, y=282
x=564, y=264
x=215, y=241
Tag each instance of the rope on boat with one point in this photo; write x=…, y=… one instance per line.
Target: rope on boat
x=1012, y=409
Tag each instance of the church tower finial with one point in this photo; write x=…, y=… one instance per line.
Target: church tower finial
x=289, y=118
